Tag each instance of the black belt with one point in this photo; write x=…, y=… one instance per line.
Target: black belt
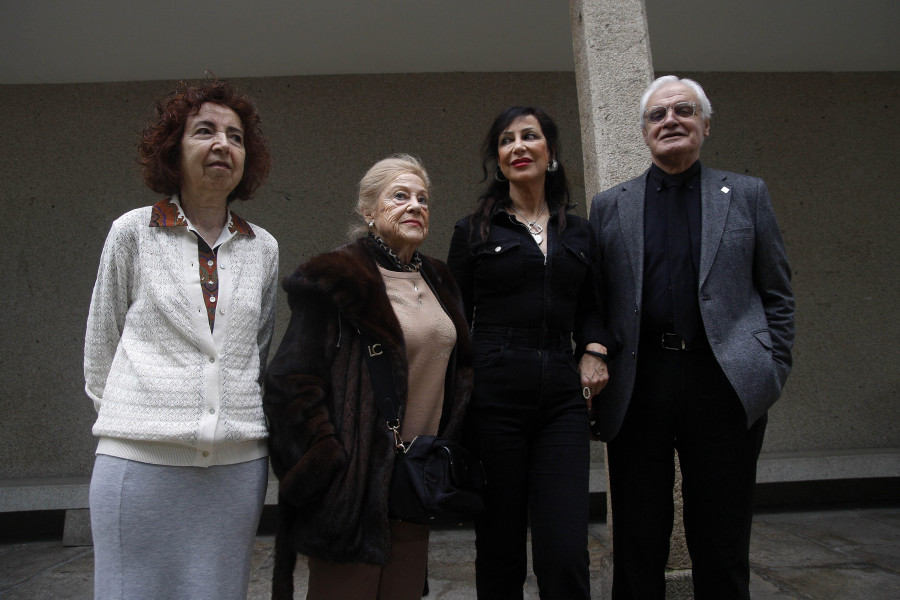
x=673, y=341
x=525, y=338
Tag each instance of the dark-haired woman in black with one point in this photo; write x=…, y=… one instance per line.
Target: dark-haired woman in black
x=524, y=266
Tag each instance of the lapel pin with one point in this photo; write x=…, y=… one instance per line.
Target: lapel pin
x=725, y=190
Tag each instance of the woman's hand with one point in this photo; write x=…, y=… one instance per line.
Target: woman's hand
x=593, y=371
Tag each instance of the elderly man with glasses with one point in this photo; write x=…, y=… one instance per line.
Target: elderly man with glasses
x=696, y=290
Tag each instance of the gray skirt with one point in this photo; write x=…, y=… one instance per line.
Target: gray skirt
x=174, y=532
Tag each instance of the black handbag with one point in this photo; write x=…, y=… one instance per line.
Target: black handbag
x=435, y=481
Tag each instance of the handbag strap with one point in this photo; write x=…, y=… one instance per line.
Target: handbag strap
x=383, y=386
x=385, y=389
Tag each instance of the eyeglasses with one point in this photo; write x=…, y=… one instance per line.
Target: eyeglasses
x=685, y=110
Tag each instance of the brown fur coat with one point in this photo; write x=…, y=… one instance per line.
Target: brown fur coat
x=329, y=445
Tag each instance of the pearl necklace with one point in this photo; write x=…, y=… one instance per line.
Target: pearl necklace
x=533, y=228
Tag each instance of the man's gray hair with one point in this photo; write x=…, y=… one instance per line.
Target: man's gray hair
x=705, y=106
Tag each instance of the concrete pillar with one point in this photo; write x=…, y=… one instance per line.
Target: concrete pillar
x=613, y=66
x=678, y=569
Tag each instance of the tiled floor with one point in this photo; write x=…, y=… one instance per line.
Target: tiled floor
x=851, y=554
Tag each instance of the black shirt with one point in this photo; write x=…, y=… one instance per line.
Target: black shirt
x=672, y=223
x=506, y=280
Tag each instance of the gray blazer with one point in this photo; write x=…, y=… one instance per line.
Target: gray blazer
x=745, y=293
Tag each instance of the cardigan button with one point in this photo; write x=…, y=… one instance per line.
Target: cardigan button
x=497, y=249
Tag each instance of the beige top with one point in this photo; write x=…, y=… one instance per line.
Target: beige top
x=430, y=338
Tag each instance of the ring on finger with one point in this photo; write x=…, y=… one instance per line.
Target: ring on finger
x=586, y=392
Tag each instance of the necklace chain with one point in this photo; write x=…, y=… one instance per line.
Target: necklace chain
x=533, y=227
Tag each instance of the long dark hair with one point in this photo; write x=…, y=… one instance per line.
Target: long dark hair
x=556, y=185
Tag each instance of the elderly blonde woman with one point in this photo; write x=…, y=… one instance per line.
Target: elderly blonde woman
x=329, y=445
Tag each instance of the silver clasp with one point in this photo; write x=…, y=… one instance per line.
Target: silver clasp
x=394, y=426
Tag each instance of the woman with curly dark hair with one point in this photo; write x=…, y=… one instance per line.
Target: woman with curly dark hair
x=524, y=268
x=177, y=336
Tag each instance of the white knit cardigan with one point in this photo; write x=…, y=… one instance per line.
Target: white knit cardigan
x=167, y=390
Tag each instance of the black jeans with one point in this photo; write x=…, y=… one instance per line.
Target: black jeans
x=683, y=401
x=528, y=423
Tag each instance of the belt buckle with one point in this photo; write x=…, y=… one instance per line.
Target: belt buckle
x=678, y=342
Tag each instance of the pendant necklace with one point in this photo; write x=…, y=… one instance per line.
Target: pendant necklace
x=533, y=228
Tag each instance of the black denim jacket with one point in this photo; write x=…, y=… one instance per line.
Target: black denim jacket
x=506, y=281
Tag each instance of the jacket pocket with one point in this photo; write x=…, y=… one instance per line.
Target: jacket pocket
x=308, y=480
x=500, y=265
x=737, y=244
x=571, y=267
x=764, y=338
x=737, y=235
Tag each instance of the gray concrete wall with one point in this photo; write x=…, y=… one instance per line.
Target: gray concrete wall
x=825, y=143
